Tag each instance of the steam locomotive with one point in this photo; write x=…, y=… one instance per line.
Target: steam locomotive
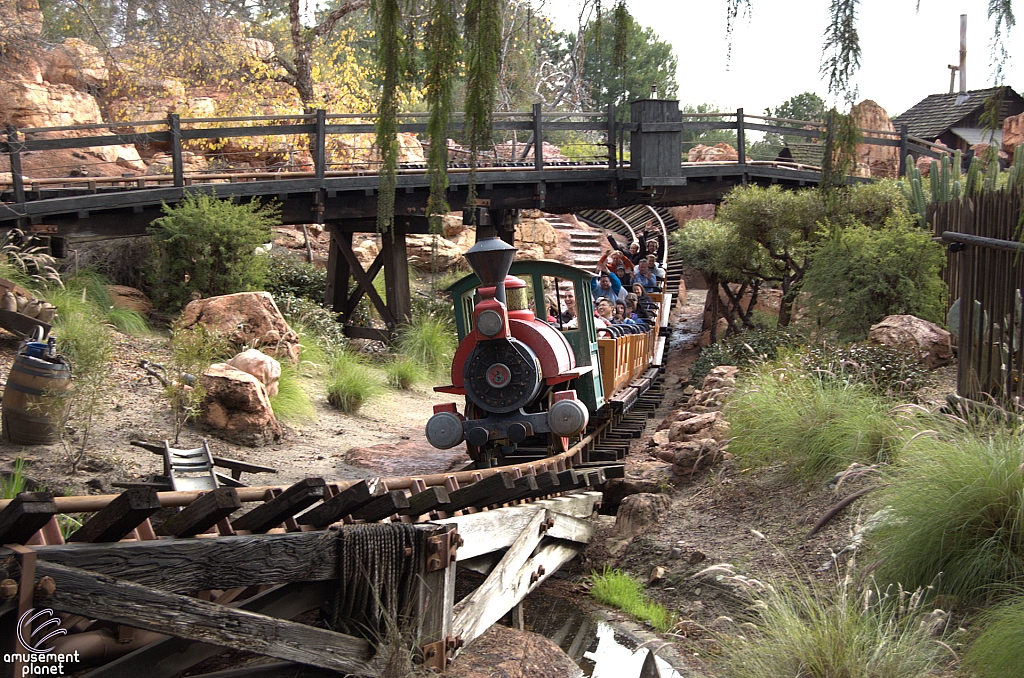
x=531, y=386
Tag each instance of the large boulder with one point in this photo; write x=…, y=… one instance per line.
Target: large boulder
x=878, y=161
x=427, y=251
x=1013, y=133
x=927, y=340
x=246, y=319
x=637, y=514
x=31, y=104
x=77, y=63
x=122, y=296
x=260, y=365
x=720, y=152
x=20, y=19
x=504, y=652
x=237, y=407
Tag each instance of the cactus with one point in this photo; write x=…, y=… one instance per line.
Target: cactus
x=973, y=184
x=933, y=178
x=1015, y=175
x=957, y=191
x=943, y=195
x=957, y=164
x=991, y=168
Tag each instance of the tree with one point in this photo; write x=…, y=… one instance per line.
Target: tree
x=644, y=60
x=807, y=106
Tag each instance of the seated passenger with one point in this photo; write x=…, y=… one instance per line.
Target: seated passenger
x=643, y=300
x=655, y=267
x=604, y=312
x=606, y=285
x=624, y=276
x=620, y=313
x=645, y=277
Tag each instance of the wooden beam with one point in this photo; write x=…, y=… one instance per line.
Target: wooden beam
x=383, y=506
x=169, y=657
x=342, y=504
x=119, y=517
x=366, y=283
x=338, y=274
x=100, y=597
x=184, y=565
x=296, y=498
x=490, y=531
x=202, y=514
x=396, y=274
x=433, y=498
x=27, y=513
x=434, y=603
x=471, y=495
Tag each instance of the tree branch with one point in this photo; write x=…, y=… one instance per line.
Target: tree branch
x=343, y=10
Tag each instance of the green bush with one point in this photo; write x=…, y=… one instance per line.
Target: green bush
x=816, y=427
x=207, y=246
x=317, y=322
x=997, y=651
x=291, y=403
x=350, y=382
x=403, y=372
x=862, y=274
x=805, y=629
x=874, y=202
x=957, y=510
x=619, y=590
x=885, y=370
x=430, y=342
x=89, y=289
x=192, y=351
x=287, y=276
x=742, y=350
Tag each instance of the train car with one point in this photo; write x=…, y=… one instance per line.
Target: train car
x=533, y=386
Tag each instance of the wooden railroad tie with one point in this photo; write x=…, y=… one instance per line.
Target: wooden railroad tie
x=26, y=515
x=202, y=514
x=118, y=518
x=270, y=514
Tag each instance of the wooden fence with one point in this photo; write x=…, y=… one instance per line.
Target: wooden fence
x=985, y=275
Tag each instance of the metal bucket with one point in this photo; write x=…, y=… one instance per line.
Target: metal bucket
x=33, y=412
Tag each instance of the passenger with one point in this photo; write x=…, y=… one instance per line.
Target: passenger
x=606, y=285
x=632, y=254
x=620, y=313
x=655, y=267
x=633, y=304
x=624, y=276
x=644, y=301
x=552, y=307
x=645, y=277
x=568, y=315
x=603, y=312
x=611, y=261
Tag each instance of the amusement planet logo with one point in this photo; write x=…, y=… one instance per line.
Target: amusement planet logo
x=38, y=660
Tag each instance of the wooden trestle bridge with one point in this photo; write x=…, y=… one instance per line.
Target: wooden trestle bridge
x=641, y=162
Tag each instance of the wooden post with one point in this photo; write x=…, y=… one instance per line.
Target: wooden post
x=338, y=273
x=903, y=150
x=177, y=164
x=396, y=274
x=436, y=598
x=14, y=153
x=741, y=146
x=611, y=137
x=320, y=151
x=538, y=139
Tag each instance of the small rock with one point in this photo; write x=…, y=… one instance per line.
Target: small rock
x=95, y=483
x=696, y=557
x=657, y=575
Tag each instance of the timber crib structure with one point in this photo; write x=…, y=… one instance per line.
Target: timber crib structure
x=371, y=556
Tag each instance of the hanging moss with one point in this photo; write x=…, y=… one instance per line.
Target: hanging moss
x=390, y=65
x=620, y=27
x=840, y=151
x=483, y=60
x=443, y=45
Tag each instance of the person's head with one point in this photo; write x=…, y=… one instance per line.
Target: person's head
x=643, y=267
x=605, y=309
x=631, y=300
x=652, y=261
x=604, y=282
x=652, y=246
x=638, y=290
x=620, y=310
x=552, y=304
x=634, y=247
x=620, y=271
x=569, y=296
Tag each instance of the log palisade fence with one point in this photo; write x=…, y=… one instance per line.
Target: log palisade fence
x=985, y=272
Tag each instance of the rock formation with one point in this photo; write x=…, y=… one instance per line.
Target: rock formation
x=720, y=152
x=1013, y=133
x=131, y=298
x=246, y=319
x=930, y=342
x=260, y=365
x=872, y=160
x=237, y=406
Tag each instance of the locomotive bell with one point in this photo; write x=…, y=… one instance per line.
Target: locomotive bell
x=491, y=259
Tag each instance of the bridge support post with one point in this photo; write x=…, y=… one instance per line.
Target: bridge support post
x=177, y=165
x=17, y=181
x=903, y=150
x=338, y=274
x=396, y=273
x=656, y=147
x=741, y=144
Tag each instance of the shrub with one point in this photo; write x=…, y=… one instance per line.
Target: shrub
x=742, y=350
x=90, y=289
x=287, y=276
x=862, y=274
x=874, y=202
x=317, y=322
x=804, y=629
x=206, y=246
x=957, y=503
x=998, y=650
x=816, y=427
x=13, y=484
x=292, y=404
x=25, y=263
x=430, y=342
x=403, y=372
x=192, y=351
x=350, y=382
x=885, y=370
x=618, y=589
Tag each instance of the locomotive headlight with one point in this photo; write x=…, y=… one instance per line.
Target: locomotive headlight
x=568, y=417
x=489, y=323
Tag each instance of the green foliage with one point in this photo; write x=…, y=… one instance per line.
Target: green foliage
x=87, y=292
x=709, y=137
x=350, y=382
x=404, y=373
x=1015, y=175
x=291, y=403
x=886, y=371
x=25, y=263
x=443, y=45
x=389, y=54
x=288, y=276
x=650, y=60
x=871, y=203
x=862, y=274
x=803, y=628
x=192, y=351
x=742, y=350
x=430, y=342
x=482, y=39
x=816, y=427
x=957, y=509
x=997, y=651
x=206, y=246
x=13, y=484
x=621, y=591
x=315, y=320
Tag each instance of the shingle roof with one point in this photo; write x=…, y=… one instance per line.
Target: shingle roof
x=936, y=113
x=805, y=154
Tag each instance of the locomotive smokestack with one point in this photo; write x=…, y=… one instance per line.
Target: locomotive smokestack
x=491, y=260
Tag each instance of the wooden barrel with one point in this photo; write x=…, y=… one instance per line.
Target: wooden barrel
x=32, y=413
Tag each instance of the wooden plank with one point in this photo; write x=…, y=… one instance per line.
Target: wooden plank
x=202, y=514
x=510, y=582
x=169, y=657
x=470, y=495
x=101, y=597
x=183, y=565
x=119, y=517
x=336, y=294
x=177, y=164
x=433, y=498
x=25, y=515
x=342, y=504
x=296, y=498
x=257, y=131
x=89, y=142
x=387, y=504
x=396, y=274
x=524, y=486
x=490, y=531
x=366, y=284
x=435, y=598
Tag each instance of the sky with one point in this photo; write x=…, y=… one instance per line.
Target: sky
x=776, y=51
